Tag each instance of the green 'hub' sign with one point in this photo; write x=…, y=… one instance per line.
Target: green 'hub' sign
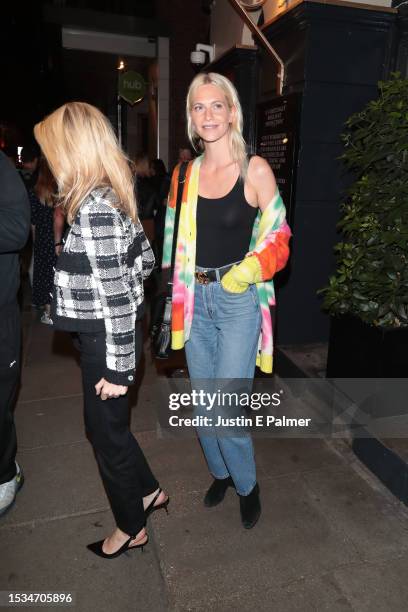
x=132, y=86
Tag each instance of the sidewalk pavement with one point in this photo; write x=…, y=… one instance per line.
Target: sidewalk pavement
x=330, y=536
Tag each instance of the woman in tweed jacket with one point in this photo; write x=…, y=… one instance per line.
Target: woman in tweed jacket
x=98, y=295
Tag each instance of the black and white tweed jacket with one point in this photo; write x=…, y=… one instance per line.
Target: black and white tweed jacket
x=98, y=282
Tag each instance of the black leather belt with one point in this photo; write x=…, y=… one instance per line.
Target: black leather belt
x=203, y=277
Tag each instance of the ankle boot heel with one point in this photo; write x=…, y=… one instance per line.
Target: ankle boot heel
x=250, y=507
x=217, y=490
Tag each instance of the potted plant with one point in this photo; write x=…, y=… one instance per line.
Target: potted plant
x=367, y=295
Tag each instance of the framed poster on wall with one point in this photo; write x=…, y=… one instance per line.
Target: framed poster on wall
x=277, y=142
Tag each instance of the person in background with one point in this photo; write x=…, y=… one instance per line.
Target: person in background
x=11, y=153
x=99, y=296
x=145, y=195
x=60, y=226
x=30, y=156
x=160, y=178
x=232, y=238
x=160, y=181
x=14, y=231
x=184, y=155
x=144, y=187
x=42, y=200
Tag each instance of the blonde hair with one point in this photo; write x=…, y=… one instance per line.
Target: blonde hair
x=237, y=143
x=45, y=188
x=83, y=153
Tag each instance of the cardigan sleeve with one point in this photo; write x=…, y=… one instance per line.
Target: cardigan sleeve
x=272, y=244
x=170, y=218
x=102, y=233
x=273, y=253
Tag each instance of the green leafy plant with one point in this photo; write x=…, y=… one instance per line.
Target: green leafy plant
x=371, y=278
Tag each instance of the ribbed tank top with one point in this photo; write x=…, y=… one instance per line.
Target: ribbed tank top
x=224, y=228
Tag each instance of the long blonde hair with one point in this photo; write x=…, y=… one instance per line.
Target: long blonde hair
x=83, y=153
x=237, y=143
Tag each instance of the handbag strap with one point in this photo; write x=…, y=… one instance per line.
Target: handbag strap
x=181, y=180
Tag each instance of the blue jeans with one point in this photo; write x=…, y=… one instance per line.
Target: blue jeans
x=223, y=345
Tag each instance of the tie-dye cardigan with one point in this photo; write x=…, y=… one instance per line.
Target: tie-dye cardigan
x=269, y=243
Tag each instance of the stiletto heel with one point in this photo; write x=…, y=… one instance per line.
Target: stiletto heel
x=152, y=508
x=96, y=548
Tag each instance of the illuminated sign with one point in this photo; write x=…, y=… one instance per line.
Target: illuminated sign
x=132, y=87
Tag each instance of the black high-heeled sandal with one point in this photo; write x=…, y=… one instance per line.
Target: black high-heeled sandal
x=96, y=548
x=152, y=508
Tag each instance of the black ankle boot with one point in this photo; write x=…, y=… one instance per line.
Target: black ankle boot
x=216, y=492
x=250, y=507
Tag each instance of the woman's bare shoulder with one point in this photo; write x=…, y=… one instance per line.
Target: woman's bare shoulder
x=259, y=171
x=261, y=177
x=258, y=168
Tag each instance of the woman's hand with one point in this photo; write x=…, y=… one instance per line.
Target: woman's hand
x=239, y=277
x=108, y=390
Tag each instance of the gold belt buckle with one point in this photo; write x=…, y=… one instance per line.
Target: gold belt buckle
x=202, y=278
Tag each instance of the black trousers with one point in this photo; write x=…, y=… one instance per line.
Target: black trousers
x=10, y=344
x=125, y=473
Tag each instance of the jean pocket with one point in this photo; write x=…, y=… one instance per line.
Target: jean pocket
x=233, y=293
x=254, y=294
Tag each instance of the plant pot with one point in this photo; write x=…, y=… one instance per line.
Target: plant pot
x=358, y=350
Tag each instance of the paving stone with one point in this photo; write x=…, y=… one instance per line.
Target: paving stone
x=177, y=464
x=375, y=523
x=206, y=550
x=276, y=456
x=59, y=481
x=47, y=346
x=303, y=595
x=53, y=380
x=376, y=586
x=310, y=358
x=50, y=422
x=145, y=405
x=53, y=557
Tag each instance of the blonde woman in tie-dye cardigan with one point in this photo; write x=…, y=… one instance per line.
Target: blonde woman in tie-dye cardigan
x=229, y=247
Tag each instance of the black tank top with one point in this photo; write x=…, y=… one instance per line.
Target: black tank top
x=224, y=228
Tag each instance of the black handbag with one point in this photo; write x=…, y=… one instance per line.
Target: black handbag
x=162, y=329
